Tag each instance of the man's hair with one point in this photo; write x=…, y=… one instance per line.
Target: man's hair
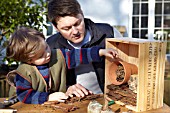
x=61, y=8
x=23, y=44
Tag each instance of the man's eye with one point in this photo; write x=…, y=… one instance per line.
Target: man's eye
x=67, y=28
x=78, y=23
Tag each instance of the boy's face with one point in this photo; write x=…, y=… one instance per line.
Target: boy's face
x=43, y=55
x=72, y=28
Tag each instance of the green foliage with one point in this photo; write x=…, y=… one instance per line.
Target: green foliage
x=14, y=13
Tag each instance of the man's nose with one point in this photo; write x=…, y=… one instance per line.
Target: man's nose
x=74, y=30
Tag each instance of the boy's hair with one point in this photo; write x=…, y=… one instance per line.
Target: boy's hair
x=23, y=44
x=61, y=8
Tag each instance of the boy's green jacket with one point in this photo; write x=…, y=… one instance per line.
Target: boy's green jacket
x=57, y=68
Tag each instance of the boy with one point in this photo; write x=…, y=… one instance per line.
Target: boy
x=41, y=76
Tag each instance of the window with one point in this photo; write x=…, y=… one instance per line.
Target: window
x=162, y=15
x=151, y=17
x=140, y=18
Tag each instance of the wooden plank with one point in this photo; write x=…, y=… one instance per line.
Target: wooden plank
x=107, y=65
x=153, y=73
x=156, y=76
x=162, y=69
x=142, y=75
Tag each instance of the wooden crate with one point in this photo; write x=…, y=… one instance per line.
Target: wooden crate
x=149, y=57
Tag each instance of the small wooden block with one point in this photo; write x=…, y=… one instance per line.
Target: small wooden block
x=8, y=111
x=133, y=83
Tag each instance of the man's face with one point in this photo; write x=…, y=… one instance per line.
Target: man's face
x=72, y=28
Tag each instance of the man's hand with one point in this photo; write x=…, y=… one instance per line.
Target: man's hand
x=77, y=90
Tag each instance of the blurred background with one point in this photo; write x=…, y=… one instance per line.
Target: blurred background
x=145, y=19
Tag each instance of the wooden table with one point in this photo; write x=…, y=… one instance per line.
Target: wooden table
x=33, y=108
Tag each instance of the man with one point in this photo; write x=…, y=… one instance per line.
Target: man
x=75, y=31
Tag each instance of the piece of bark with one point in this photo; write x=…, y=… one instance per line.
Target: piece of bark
x=122, y=93
x=50, y=103
x=65, y=107
x=78, y=99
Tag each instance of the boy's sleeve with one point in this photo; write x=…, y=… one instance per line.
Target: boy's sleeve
x=76, y=57
x=95, y=54
x=26, y=94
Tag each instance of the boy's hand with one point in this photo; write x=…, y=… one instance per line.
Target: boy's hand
x=110, y=52
x=57, y=96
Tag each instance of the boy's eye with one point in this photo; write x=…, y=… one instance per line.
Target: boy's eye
x=43, y=52
x=41, y=55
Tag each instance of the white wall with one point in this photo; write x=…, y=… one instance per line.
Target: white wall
x=114, y=12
